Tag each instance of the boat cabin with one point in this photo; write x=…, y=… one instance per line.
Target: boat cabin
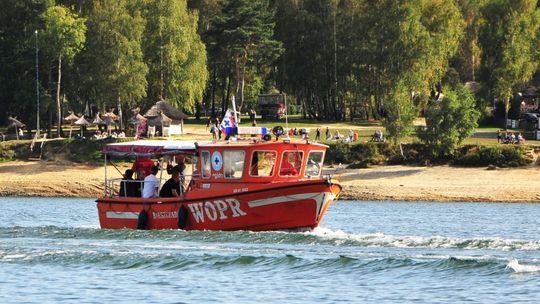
x=226, y=167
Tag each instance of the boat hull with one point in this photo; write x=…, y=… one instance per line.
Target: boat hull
x=288, y=206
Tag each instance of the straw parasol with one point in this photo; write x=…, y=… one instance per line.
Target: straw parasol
x=71, y=118
x=113, y=116
x=97, y=120
x=161, y=120
x=108, y=120
x=138, y=121
x=82, y=123
x=14, y=123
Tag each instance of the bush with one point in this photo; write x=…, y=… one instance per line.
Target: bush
x=500, y=156
x=448, y=122
x=359, y=155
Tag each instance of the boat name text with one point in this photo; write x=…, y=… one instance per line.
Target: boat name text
x=214, y=210
x=165, y=214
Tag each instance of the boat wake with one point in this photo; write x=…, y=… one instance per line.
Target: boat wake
x=520, y=268
x=407, y=241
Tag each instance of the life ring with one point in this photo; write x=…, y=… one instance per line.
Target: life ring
x=182, y=217
x=142, y=220
x=278, y=131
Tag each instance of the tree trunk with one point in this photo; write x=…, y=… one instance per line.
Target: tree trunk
x=214, y=80
x=58, y=102
x=506, y=108
x=49, y=101
x=240, y=69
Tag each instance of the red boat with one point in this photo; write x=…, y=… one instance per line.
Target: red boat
x=234, y=185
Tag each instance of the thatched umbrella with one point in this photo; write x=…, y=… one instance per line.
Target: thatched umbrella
x=97, y=120
x=71, y=118
x=108, y=120
x=173, y=116
x=161, y=120
x=82, y=123
x=138, y=120
x=113, y=116
x=14, y=123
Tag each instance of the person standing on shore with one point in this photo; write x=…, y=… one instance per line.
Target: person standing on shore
x=318, y=134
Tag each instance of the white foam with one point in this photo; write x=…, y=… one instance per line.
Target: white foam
x=519, y=268
x=435, y=241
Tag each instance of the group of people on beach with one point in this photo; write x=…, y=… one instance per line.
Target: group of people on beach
x=509, y=138
x=147, y=184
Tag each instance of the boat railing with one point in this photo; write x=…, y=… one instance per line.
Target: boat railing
x=112, y=185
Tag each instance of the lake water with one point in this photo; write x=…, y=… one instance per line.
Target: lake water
x=52, y=251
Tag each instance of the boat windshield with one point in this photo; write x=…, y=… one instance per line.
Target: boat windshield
x=314, y=164
x=291, y=162
x=233, y=163
x=262, y=163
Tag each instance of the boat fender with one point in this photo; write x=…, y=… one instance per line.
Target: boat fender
x=182, y=217
x=142, y=220
x=267, y=137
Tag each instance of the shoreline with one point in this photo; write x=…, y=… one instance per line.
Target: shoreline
x=379, y=183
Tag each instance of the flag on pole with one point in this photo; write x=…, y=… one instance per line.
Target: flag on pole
x=227, y=124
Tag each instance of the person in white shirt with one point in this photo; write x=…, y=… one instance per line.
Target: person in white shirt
x=151, y=184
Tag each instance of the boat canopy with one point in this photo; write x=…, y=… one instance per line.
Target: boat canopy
x=151, y=148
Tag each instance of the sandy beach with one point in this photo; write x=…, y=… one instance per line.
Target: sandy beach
x=399, y=183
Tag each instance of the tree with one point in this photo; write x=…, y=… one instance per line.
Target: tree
x=174, y=52
x=18, y=21
x=64, y=36
x=400, y=113
x=449, y=121
x=412, y=55
x=112, y=61
x=246, y=28
x=509, y=42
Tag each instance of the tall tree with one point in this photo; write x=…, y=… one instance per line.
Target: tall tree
x=218, y=66
x=112, y=61
x=65, y=37
x=509, y=41
x=247, y=30
x=412, y=54
x=18, y=22
x=175, y=53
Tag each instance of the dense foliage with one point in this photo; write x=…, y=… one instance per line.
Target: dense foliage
x=449, y=120
x=361, y=155
x=335, y=59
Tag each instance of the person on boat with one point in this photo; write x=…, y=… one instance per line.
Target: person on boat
x=287, y=167
x=172, y=187
x=128, y=187
x=144, y=163
x=139, y=182
x=181, y=163
x=151, y=184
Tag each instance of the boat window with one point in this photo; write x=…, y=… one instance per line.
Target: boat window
x=314, y=163
x=262, y=163
x=291, y=162
x=233, y=163
x=205, y=161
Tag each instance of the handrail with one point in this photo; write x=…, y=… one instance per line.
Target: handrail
x=112, y=185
